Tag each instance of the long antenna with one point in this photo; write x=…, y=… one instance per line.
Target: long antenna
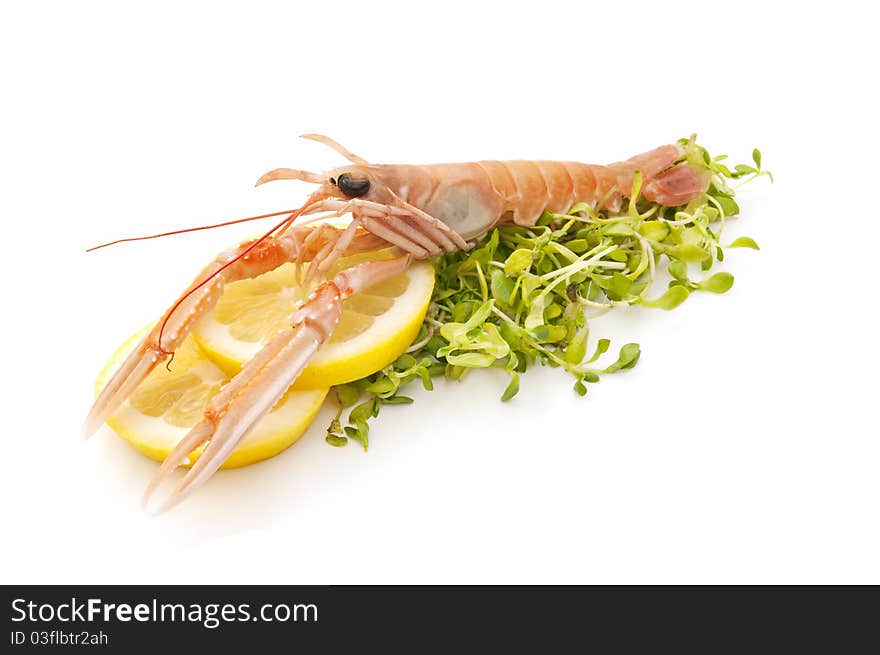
x=190, y=229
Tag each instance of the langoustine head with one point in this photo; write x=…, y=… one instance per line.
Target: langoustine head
x=359, y=179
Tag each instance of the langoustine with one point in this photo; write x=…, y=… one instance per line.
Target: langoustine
x=422, y=211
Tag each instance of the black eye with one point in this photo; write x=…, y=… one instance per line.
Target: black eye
x=351, y=187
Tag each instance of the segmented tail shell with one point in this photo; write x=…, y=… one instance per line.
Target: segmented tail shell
x=530, y=187
x=473, y=197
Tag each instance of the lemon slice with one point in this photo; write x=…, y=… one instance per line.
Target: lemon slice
x=376, y=327
x=168, y=403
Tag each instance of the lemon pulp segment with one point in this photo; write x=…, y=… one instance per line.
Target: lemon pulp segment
x=376, y=327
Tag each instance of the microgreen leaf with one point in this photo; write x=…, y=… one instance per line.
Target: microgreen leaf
x=671, y=298
x=502, y=287
x=535, y=316
x=381, y=386
x=512, y=388
x=678, y=270
x=618, y=229
x=690, y=253
x=471, y=360
x=601, y=348
x=360, y=433
x=518, y=261
x=398, y=400
x=347, y=394
x=718, y=283
x=362, y=412
x=629, y=355
x=577, y=347
x=728, y=204
x=743, y=242
x=654, y=230
x=743, y=169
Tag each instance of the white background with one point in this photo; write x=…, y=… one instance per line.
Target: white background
x=742, y=449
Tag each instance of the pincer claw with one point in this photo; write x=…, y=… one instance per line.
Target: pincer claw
x=126, y=379
x=181, y=455
x=234, y=412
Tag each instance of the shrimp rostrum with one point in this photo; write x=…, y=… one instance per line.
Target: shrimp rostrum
x=421, y=211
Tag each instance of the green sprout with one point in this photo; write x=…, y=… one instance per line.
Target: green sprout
x=525, y=295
